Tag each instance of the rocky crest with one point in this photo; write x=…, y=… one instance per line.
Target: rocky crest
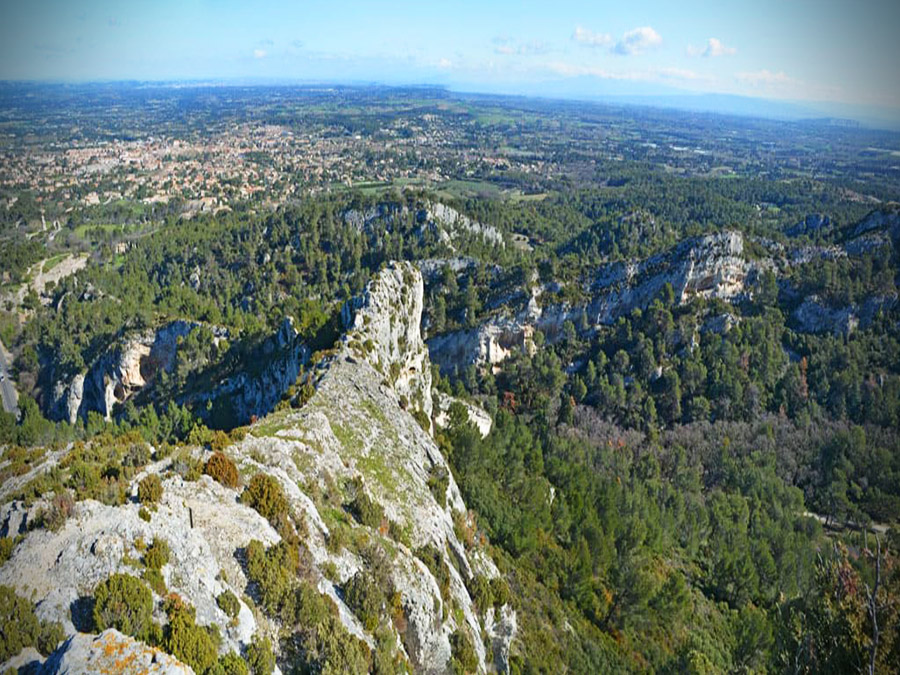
x=712, y=266
x=385, y=322
x=449, y=224
x=814, y=316
x=444, y=222
x=358, y=424
x=110, y=652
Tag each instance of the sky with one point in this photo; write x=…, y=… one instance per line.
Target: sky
x=817, y=52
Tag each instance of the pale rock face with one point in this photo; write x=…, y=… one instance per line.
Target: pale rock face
x=353, y=426
x=386, y=321
x=117, y=374
x=450, y=223
x=203, y=525
x=111, y=652
x=490, y=343
x=477, y=416
x=814, y=316
x=885, y=218
x=254, y=393
x=711, y=266
x=363, y=220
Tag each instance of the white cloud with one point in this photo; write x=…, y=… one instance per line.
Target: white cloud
x=714, y=47
x=260, y=53
x=637, y=41
x=445, y=64
x=591, y=39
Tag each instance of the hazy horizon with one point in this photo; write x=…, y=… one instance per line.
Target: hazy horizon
x=827, y=57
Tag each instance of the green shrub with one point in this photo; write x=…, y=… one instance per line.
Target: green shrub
x=385, y=659
x=150, y=489
x=123, y=602
x=185, y=640
x=364, y=598
x=260, y=657
x=465, y=658
x=186, y=466
x=481, y=592
x=322, y=643
x=7, y=544
x=157, y=554
x=20, y=625
x=144, y=514
x=229, y=603
x=61, y=508
x=264, y=494
x=218, y=441
x=51, y=635
x=338, y=537
x=438, y=482
x=367, y=511
x=232, y=664
x=500, y=591
x=155, y=580
x=434, y=561
x=398, y=534
x=222, y=470
x=273, y=572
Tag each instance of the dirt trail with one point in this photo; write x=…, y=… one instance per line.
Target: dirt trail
x=65, y=267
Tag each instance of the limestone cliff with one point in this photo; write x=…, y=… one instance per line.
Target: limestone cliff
x=117, y=374
x=358, y=429
x=712, y=266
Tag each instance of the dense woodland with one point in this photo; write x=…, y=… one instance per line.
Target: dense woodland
x=649, y=496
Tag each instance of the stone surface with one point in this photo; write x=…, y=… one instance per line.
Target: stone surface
x=110, y=652
x=711, y=267
x=202, y=523
x=815, y=316
x=117, y=374
x=359, y=423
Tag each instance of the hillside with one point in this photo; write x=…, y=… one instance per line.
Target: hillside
x=365, y=499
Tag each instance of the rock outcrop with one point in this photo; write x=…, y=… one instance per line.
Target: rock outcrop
x=364, y=427
x=815, y=316
x=449, y=224
x=443, y=222
x=712, y=266
x=117, y=374
x=253, y=392
x=110, y=652
x=476, y=415
x=385, y=323
x=202, y=523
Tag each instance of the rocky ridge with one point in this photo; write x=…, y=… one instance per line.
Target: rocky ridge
x=359, y=424
x=110, y=652
x=712, y=266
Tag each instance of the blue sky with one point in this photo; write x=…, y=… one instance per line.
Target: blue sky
x=811, y=51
